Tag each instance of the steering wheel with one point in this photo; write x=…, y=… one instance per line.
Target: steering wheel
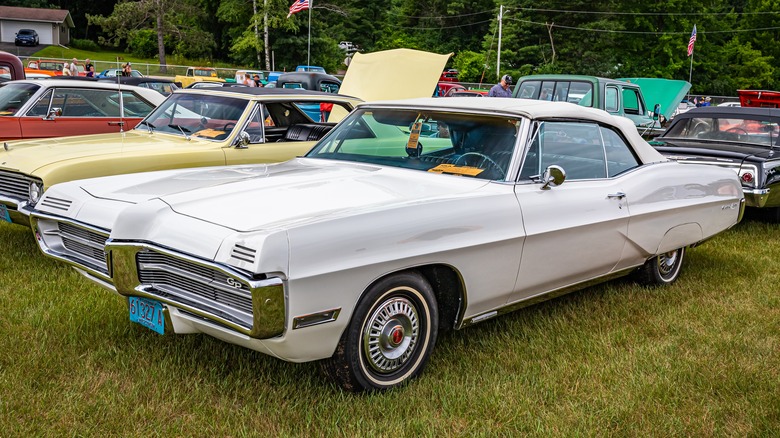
x=737, y=131
x=228, y=125
x=485, y=159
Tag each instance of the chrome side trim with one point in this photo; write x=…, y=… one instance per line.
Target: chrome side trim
x=267, y=295
x=543, y=297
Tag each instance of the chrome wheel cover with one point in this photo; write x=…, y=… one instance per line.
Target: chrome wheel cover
x=667, y=263
x=391, y=334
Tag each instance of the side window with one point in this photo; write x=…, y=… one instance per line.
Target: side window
x=41, y=107
x=134, y=105
x=529, y=90
x=581, y=93
x=561, y=91
x=631, y=101
x=576, y=147
x=329, y=87
x=620, y=157
x=611, y=104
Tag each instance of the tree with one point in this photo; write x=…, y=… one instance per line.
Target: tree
x=175, y=20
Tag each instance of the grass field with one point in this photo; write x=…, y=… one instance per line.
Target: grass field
x=699, y=358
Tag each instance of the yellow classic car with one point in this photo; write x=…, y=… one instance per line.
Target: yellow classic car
x=210, y=127
x=192, y=128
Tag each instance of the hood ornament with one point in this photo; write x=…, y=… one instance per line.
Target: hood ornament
x=5, y=146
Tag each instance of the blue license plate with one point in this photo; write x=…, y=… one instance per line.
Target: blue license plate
x=148, y=313
x=4, y=216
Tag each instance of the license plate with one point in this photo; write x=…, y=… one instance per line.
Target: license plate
x=4, y=213
x=148, y=313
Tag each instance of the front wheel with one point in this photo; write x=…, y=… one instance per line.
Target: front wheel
x=662, y=269
x=390, y=337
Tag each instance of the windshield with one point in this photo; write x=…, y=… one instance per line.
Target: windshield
x=471, y=145
x=201, y=115
x=751, y=130
x=14, y=96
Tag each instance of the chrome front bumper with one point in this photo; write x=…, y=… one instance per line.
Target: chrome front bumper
x=16, y=210
x=265, y=319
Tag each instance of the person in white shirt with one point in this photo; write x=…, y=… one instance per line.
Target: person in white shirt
x=74, y=69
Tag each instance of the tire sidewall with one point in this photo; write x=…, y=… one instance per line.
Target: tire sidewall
x=677, y=268
x=414, y=288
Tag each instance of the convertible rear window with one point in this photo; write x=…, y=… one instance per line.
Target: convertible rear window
x=474, y=146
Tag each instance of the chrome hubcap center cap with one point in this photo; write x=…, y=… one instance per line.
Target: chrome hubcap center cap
x=390, y=335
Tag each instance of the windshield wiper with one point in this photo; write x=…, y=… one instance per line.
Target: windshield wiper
x=184, y=131
x=149, y=126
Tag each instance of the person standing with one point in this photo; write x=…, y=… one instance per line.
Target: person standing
x=89, y=68
x=501, y=89
x=74, y=68
x=127, y=70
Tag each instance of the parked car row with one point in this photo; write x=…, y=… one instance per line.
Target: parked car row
x=353, y=238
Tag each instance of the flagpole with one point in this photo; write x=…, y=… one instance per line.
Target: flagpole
x=308, y=50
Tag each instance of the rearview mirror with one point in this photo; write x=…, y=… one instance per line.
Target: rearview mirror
x=242, y=141
x=54, y=112
x=656, y=111
x=553, y=176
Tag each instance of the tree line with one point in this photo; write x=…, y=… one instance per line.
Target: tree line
x=735, y=44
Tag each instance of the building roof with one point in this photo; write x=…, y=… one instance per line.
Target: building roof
x=37, y=14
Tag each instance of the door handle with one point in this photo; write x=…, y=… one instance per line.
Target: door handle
x=618, y=195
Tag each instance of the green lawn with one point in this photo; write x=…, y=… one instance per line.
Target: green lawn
x=699, y=358
x=149, y=66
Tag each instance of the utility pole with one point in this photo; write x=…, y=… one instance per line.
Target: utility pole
x=498, y=61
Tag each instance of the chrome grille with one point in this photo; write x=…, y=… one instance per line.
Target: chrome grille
x=14, y=185
x=196, y=285
x=86, y=245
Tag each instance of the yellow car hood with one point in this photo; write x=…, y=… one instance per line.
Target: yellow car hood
x=30, y=157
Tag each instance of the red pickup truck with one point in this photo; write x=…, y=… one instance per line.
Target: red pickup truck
x=11, y=67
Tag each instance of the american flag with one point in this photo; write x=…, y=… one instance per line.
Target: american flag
x=690, y=41
x=298, y=6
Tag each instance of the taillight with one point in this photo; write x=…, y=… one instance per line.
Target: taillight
x=747, y=178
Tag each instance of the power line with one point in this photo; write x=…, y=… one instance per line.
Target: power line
x=635, y=32
x=654, y=14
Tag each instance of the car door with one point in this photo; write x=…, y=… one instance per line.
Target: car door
x=69, y=111
x=575, y=231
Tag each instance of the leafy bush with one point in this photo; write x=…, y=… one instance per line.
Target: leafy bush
x=143, y=43
x=87, y=45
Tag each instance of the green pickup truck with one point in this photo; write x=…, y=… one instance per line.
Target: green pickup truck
x=627, y=97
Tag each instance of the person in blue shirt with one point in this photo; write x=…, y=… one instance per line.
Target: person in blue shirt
x=501, y=89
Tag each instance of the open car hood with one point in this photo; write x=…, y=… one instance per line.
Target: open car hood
x=666, y=92
x=393, y=74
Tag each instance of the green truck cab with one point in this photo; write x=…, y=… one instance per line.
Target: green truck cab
x=620, y=97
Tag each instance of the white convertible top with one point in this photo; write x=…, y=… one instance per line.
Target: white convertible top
x=533, y=109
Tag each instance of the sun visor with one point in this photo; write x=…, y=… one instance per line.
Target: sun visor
x=393, y=74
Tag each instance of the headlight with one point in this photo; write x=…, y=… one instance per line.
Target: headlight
x=36, y=189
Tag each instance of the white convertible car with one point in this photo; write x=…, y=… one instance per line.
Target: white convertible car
x=407, y=218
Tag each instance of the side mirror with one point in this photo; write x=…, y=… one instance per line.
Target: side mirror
x=553, y=177
x=656, y=111
x=54, y=112
x=242, y=141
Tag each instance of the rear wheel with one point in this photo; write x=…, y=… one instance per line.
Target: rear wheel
x=662, y=269
x=390, y=337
